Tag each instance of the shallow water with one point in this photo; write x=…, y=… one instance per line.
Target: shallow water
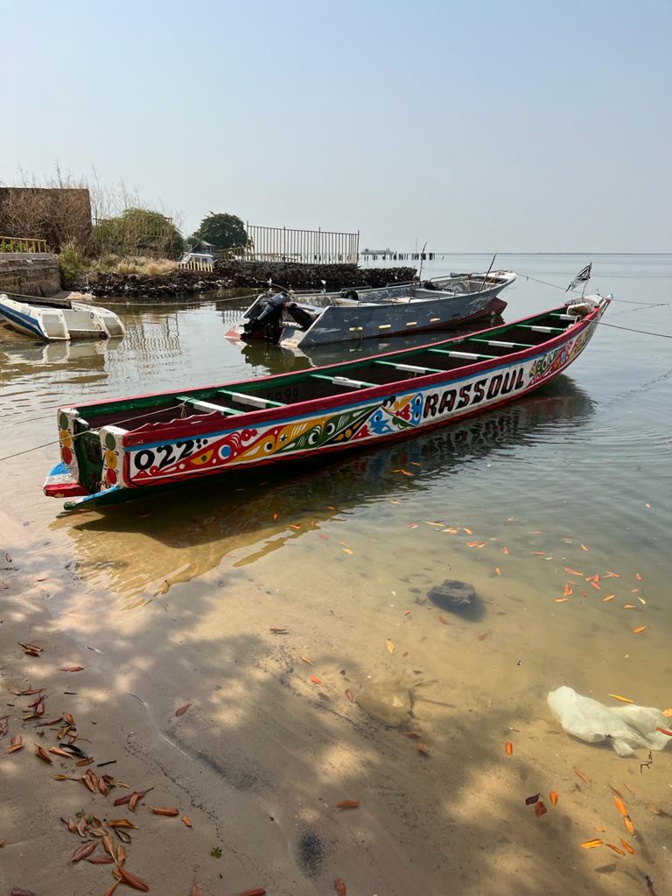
x=589, y=454
x=589, y=457
x=529, y=503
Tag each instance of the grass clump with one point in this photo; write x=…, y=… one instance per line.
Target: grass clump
x=111, y=263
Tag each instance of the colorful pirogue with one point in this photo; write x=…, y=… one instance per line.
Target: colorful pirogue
x=115, y=450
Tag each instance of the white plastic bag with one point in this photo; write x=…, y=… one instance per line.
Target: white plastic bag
x=626, y=728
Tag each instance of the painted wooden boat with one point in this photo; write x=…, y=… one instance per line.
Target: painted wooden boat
x=304, y=320
x=59, y=321
x=119, y=449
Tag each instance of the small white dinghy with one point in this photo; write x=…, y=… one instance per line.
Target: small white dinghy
x=54, y=320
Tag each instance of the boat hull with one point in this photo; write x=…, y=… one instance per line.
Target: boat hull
x=365, y=321
x=24, y=321
x=182, y=450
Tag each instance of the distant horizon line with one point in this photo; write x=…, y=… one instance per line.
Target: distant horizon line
x=485, y=252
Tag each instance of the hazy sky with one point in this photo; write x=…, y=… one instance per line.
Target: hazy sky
x=488, y=125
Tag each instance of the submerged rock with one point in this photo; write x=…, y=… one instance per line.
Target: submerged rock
x=456, y=597
x=389, y=703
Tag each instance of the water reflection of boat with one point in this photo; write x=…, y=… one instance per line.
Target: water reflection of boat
x=324, y=355
x=25, y=359
x=164, y=543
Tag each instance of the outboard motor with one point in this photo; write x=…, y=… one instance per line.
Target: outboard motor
x=268, y=319
x=349, y=294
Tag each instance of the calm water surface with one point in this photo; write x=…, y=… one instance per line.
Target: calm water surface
x=577, y=476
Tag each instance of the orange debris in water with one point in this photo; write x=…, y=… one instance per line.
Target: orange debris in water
x=620, y=805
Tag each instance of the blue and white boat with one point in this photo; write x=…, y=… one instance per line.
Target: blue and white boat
x=58, y=321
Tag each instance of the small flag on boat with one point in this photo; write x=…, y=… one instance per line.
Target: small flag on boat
x=582, y=277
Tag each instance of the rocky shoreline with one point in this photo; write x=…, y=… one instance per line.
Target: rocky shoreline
x=237, y=275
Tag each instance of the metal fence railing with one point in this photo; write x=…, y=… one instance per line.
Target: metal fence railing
x=22, y=244
x=304, y=246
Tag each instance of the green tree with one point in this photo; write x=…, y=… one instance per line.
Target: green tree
x=138, y=231
x=223, y=231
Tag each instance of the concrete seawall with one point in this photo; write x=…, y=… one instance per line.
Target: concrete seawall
x=29, y=274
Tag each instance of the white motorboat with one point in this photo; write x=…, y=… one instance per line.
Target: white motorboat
x=58, y=321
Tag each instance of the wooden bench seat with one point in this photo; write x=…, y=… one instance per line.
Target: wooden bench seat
x=496, y=343
x=466, y=356
x=207, y=406
x=343, y=381
x=253, y=401
x=411, y=368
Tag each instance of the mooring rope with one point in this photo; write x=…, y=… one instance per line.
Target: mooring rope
x=78, y=434
x=622, y=301
x=632, y=330
x=187, y=304
x=29, y=450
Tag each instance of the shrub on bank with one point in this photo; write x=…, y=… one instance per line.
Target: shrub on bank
x=72, y=263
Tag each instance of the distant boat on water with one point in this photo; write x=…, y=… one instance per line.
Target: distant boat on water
x=304, y=320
